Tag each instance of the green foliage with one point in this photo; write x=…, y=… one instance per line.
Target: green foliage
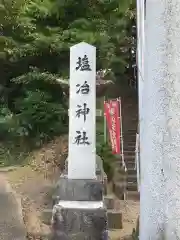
x=34, y=52
x=13, y=154
x=40, y=108
x=105, y=152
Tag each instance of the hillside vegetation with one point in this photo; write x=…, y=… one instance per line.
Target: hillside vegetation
x=34, y=51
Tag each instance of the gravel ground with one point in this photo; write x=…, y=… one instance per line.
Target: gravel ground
x=34, y=184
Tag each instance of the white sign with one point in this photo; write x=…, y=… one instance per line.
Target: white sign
x=82, y=112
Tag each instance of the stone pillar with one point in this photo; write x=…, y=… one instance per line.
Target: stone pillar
x=79, y=212
x=160, y=195
x=140, y=52
x=82, y=112
x=140, y=64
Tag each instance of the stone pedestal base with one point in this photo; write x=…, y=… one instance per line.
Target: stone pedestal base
x=79, y=212
x=76, y=220
x=79, y=189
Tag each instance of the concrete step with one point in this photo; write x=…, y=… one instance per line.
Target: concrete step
x=130, y=164
x=131, y=186
x=129, y=153
x=131, y=171
x=130, y=130
x=130, y=113
x=129, y=148
x=132, y=116
x=130, y=122
x=132, y=178
x=129, y=143
x=133, y=195
x=130, y=106
x=114, y=218
x=129, y=138
x=126, y=131
x=129, y=157
x=133, y=136
x=129, y=135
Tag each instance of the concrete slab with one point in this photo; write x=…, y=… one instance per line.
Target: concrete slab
x=11, y=220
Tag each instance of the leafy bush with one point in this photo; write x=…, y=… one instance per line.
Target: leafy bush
x=13, y=154
x=40, y=111
x=38, y=114
x=104, y=151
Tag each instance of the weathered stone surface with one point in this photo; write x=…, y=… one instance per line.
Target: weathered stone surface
x=47, y=216
x=79, y=190
x=109, y=202
x=114, y=219
x=74, y=215
x=79, y=220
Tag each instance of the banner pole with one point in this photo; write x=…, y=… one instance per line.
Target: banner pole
x=122, y=143
x=105, y=124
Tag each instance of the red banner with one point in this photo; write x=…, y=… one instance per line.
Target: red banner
x=109, y=124
x=112, y=113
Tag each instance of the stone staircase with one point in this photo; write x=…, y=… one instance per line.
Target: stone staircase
x=125, y=184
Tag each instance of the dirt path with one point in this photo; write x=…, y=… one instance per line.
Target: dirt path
x=34, y=189
x=34, y=183
x=130, y=212
x=11, y=220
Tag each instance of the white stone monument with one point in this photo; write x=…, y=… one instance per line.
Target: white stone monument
x=79, y=211
x=82, y=112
